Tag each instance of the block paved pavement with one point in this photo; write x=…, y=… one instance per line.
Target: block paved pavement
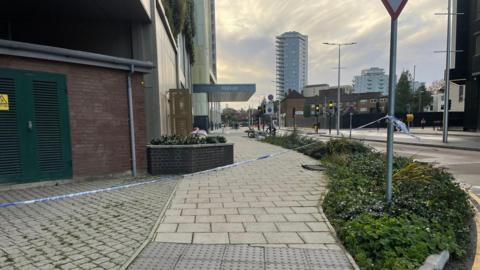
x=99, y=231
x=270, y=206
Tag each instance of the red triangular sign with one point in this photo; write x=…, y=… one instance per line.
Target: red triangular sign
x=394, y=7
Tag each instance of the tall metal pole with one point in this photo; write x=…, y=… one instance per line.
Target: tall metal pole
x=350, y=125
x=338, y=92
x=391, y=107
x=447, y=76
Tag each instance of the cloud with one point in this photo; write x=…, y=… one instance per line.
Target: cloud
x=246, y=31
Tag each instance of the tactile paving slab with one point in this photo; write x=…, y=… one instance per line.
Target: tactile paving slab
x=244, y=253
x=198, y=265
x=285, y=256
x=228, y=265
x=330, y=258
x=170, y=256
x=204, y=252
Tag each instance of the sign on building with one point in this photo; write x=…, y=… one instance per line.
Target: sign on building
x=4, y=106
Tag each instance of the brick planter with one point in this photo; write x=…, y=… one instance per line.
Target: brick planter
x=177, y=159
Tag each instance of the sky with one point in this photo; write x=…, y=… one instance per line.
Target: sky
x=246, y=31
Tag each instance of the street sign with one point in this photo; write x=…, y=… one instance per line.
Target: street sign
x=394, y=7
x=270, y=97
x=269, y=108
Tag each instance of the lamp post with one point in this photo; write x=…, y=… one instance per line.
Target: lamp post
x=339, y=70
x=449, y=51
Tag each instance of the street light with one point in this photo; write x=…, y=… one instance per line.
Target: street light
x=339, y=70
x=449, y=51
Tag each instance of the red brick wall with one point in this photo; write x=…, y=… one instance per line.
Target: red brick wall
x=98, y=111
x=287, y=106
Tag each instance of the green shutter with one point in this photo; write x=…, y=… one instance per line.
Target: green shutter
x=34, y=132
x=47, y=126
x=10, y=162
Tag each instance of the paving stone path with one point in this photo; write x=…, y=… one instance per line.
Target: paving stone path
x=269, y=207
x=99, y=231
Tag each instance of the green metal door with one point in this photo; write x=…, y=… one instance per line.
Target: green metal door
x=34, y=129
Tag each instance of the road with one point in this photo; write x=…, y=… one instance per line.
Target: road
x=463, y=164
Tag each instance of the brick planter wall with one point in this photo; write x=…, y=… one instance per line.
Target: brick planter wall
x=177, y=159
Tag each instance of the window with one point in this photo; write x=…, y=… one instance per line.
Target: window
x=477, y=3
x=461, y=93
x=477, y=44
x=373, y=100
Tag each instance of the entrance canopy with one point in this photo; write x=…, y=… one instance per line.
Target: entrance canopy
x=226, y=92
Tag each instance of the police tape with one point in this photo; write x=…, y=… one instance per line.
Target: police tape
x=397, y=123
x=114, y=188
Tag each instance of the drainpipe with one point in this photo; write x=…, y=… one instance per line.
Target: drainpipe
x=131, y=120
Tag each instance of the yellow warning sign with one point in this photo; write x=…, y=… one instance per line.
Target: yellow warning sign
x=4, y=102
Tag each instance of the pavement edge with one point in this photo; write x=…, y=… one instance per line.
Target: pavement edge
x=151, y=235
x=476, y=199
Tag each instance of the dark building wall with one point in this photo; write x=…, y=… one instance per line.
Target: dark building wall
x=98, y=111
x=467, y=62
x=105, y=37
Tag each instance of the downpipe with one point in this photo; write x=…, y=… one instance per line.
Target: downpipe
x=131, y=121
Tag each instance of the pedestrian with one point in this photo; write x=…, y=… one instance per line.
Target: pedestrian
x=423, y=122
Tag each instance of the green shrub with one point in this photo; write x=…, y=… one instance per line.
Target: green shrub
x=429, y=211
x=400, y=243
x=187, y=140
x=357, y=186
x=289, y=141
x=345, y=146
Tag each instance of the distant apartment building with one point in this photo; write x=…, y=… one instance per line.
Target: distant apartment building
x=314, y=89
x=457, y=99
x=319, y=89
x=371, y=80
x=291, y=63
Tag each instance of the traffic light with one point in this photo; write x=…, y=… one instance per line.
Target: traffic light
x=330, y=104
x=317, y=109
x=260, y=110
x=449, y=104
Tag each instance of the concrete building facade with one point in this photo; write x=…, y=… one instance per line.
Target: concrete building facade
x=371, y=80
x=206, y=113
x=291, y=63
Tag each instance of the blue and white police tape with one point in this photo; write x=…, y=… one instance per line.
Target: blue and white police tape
x=113, y=188
x=397, y=123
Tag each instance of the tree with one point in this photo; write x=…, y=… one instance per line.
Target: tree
x=307, y=111
x=229, y=115
x=436, y=86
x=423, y=96
x=403, y=97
